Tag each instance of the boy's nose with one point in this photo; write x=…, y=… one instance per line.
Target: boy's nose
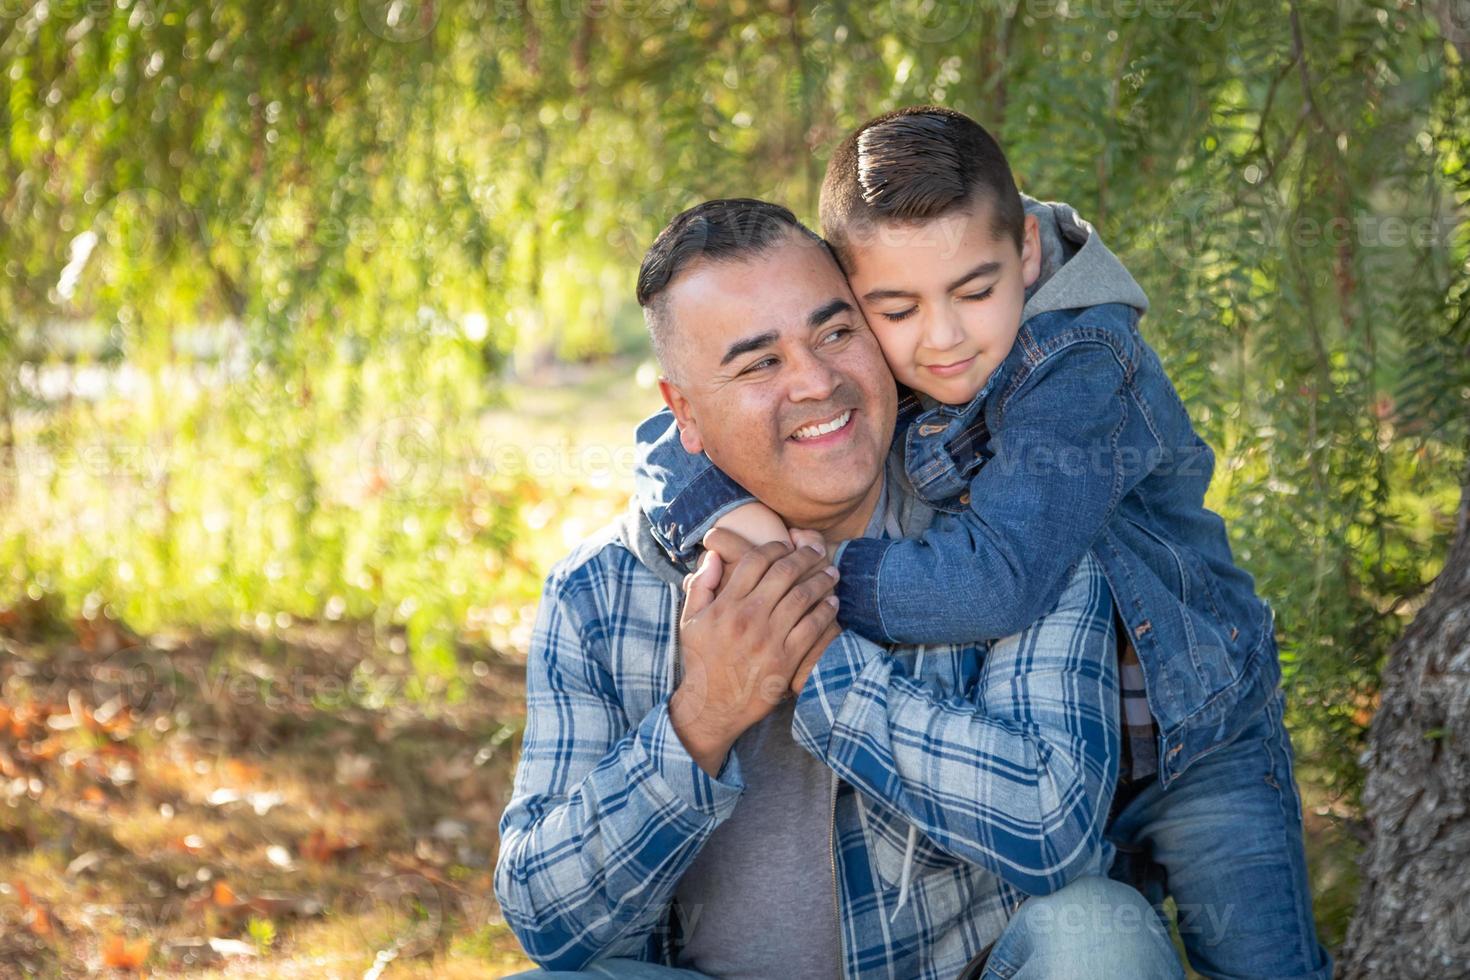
x=944, y=331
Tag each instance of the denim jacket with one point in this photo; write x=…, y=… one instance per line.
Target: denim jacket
x=1078, y=443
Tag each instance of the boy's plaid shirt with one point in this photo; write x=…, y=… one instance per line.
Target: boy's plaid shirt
x=1004, y=756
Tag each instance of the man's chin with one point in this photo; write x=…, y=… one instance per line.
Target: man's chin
x=830, y=484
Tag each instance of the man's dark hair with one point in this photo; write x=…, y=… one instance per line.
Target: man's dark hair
x=715, y=231
x=912, y=165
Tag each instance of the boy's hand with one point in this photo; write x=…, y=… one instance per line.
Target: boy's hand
x=731, y=545
x=756, y=523
x=803, y=537
x=727, y=545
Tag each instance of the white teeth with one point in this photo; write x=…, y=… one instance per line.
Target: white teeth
x=813, y=431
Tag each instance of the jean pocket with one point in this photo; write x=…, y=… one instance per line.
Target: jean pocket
x=997, y=968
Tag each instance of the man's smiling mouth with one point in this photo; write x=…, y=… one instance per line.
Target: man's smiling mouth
x=816, y=430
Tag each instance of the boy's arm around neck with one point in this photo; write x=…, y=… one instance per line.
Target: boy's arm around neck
x=1033, y=510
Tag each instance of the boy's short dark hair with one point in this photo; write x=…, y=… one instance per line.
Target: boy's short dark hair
x=720, y=230
x=916, y=164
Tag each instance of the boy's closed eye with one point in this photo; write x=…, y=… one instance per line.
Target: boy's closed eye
x=905, y=313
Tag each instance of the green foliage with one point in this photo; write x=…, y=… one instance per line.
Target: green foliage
x=324, y=233
x=262, y=932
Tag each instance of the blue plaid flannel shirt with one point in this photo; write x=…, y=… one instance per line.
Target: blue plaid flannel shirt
x=1003, y=755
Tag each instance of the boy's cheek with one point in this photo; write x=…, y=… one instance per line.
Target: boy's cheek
x=898, y=356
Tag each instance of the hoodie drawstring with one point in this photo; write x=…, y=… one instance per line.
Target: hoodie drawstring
x=907, y=874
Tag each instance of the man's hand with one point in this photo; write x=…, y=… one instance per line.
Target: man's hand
x=743, y=644
x=730, y=547
x=809, y=662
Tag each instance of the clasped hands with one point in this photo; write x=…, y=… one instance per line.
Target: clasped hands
x=755, y=621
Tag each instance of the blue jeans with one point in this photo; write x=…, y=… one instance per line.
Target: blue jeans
x=1094, y=928
x=1225, y=840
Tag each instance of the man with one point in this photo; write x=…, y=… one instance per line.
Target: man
x=675, y=814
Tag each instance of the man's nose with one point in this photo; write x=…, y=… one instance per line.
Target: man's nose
x=943, y=331
x=811, y=378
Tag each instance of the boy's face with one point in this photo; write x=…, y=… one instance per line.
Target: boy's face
x=944, y=297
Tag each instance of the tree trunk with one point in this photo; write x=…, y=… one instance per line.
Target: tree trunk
x=1413, y=916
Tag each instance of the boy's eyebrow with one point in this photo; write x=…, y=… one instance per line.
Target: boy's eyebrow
x=816, y=318
x=983, y=269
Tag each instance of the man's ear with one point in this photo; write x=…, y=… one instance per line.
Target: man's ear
x=683, y=414
x=1030, y=250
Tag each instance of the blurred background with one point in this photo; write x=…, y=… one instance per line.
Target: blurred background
x=318, y=345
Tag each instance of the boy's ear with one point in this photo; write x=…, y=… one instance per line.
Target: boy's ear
x=683, y=414
x=1030, y=250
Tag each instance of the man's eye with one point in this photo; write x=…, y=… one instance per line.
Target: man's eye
x=983, y=294
x=759, y=365
x=900, y=315
x=838, y=335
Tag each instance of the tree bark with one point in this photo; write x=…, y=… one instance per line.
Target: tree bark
x=1413, y=916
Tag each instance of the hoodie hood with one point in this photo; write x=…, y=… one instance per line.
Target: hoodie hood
x=1077, y=270
x=636, y=534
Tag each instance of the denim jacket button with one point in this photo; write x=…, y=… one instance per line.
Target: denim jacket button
x=930, y=429
x=965, y=498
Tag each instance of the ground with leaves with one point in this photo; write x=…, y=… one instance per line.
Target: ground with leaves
x=290, y=804
x=295, y=803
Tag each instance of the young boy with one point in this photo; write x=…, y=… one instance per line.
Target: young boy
x=1042, y=422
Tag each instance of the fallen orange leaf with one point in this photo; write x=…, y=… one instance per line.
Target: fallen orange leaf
x=123, y=955
x=323, y=847
x=40, y=921
x=240, y=771
x=223, y=895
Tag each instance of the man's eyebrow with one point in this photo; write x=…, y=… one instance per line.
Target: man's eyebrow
x=817, y=317
x=747, y=345
x=827, y=311
x=983, y=269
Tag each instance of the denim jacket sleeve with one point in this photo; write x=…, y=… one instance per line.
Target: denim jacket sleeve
x=605, y=816
x=1033, y=510
x=1015, y=775
x=683, y=494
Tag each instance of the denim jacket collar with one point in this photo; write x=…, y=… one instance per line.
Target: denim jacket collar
x=943, y=445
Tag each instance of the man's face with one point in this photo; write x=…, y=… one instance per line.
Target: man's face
x=944, y=297
x=780, y=381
